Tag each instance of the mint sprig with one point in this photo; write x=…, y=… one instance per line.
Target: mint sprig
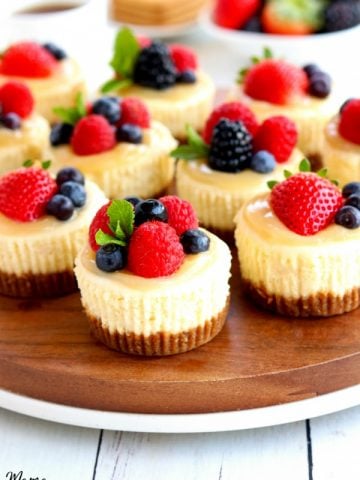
x=195, y=148
x=121, y=222
x=126, y=52
x=73, y=114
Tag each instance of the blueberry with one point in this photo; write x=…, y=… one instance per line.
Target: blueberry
x=353, y=200
x=133, y=200
x=310, y=69
x=110, y=257
x=253, y=25
x=345, y=103
x=195, y=241
x=57, y=52
x=61, y=134
x=187, y=76
x=129, y=133
x=70, y=174
x=150, y=210
x=351, y=189
x=348, y=217
x=75, y=192
x=12, y=121
x=320, y=85
x=60, y=207
x=263, y=162
x=108, y=108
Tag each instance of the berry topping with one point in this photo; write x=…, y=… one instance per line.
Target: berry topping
x=101, y=221
x=133, y=200
x=353, y=200
x=352, y=188
x=349, y=125
x=181, y=215
x=75, y=192
x=134, y=111
x=15, y=97
x=195, y=241
x=28, y=59
x=275, y=81
x=184, y=58
x=143, y=40
x=129, y=133
x=93, y=134
x=263, y=162
x=154, y=67
x=24, y=193
x=277, y=135
x=234, y=13
x=305, y=202
x=348, y=217
x=345, y=103
x=187, y=76
x=341, y=14
x=230, y=111
x=60, y=207
x=150, y=210
x=310, y=69
x=57, y=52
x=155, y=250
x=110, y=257
x=70, y=174
x=61, y=134
x=11, y=121
x=108, y=107
x=231, y=147
x=319, y=85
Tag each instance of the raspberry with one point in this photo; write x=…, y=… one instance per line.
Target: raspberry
x=275, y=81
x=230, y=111
x=134, y=110
x=154, y=67
x=93, y=134
x=349, y=126
x=181, y=214
x=306, y=203
x=24, y=193
x=234, y=13
x=15, y=97
x=184, y=58
x=100, y=222
x=28, y=59
x=143, y=41
x=155, y=250
x=277, y=135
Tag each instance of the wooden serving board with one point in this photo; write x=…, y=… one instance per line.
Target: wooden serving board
x=259, y=359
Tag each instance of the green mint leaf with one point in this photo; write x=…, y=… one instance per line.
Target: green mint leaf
x=126, y=51
x=28, y=163
x=46, y=164
x=195, y=140
x=72, y=114
x=322, y=172
x=267, y=53
x=116, y=84
x=121, y=215
x=287, y=174
x=187, y=152
x=305, y=165
x=271, y=183
x=80, y=105
x=102, y=238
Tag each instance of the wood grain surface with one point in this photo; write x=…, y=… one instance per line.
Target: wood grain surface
x=259, y=359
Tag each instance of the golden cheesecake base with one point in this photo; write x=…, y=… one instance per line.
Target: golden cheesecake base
x=161, y=343
x=318, y=305
x=40, y=285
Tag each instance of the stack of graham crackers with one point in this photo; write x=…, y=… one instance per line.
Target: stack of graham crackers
x=155, y=12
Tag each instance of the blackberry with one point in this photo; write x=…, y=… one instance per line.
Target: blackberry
x=231, y=147
x=342, y=14
x=154, y=67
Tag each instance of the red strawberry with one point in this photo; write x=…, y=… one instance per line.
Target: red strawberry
x=234, y=13
x=134, y=110
x=231, y=111
x=15, y=97
x=181, y=214
x=28, y=59
x=100, y=222
x=276, y=19
x=349, y=125
x=25, y=192
x=306, y=203
x=184, y=58
x=93, y=134
x=155, y=250
x=275, y=81
x=278, y=135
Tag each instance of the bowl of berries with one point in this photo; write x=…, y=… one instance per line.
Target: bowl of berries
x=302, y=30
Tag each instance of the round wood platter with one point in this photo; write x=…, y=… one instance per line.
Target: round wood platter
x=259, y=359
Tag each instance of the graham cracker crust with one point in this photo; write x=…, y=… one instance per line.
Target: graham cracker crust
x=43, y=285
x=319, y=305
x=161, y=343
